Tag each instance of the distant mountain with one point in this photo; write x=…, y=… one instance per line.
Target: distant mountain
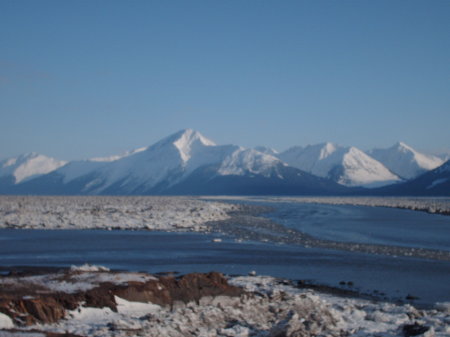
x=404, y=161
x=25, y=167
x=183, y=163
x=433, y=183
x=345, y=165
x=188, y=163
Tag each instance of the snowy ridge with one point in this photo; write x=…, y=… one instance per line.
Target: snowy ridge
x=346, y=165
x=168, y=161
x=404, y=161
x=244, y=161
x=119, y=156
x=266, y=150
x=28, y=166
x=165, y=164
x=444, y=167
x=188, y=141
x=186, y=162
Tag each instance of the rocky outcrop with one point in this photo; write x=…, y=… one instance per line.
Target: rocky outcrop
x=29, y=300
x=188, y=288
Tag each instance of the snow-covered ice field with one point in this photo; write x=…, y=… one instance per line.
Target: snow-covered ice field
x=153, y=213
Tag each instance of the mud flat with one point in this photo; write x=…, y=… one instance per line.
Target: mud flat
x=94, y=301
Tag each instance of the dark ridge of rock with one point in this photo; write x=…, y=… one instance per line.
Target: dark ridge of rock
x=27, y=304
x=415, y=329
x=67, y=334
x=187, y=288
x=192, y=287
x=44, y=308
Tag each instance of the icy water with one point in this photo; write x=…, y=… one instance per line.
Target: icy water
x=363, y=224
x=193, y=252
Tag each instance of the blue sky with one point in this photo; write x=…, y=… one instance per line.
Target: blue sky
x=89, y=78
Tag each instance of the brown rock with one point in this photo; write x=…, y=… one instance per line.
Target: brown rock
x=187, y=288
x=27, y=308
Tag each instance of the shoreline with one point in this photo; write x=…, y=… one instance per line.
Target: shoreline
x=96, y=300
x=345, y=290
x=431, y=205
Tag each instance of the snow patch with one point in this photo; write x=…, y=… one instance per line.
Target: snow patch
x=5, y=322
x=88, y=267
x=135, y=309
x=77, y=280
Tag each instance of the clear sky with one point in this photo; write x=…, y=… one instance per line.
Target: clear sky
x=89, y=78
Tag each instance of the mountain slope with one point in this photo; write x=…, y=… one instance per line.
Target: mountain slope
x=188, y=163
x=267, y=150
x=433, y=183
x=153, y=168
x=348, y=166
x=404, y=161
x=25, y=167
x=183, y=163
x=279, y=179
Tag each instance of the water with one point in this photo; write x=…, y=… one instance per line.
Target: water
x=194, y=252
x=362, y=224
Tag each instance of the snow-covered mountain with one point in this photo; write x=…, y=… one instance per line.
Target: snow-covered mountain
x=27, y=166
x=434, y=183
x=346, y=165
x=267, y=150
x=186, y=162
x=183, y=163
x=119, y=156
x=404, y=161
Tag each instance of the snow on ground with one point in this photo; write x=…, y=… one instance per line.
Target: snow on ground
x=79, y=279
x=162, y=213
x=427, y=204
x=5, y=322
x=430, y=205
x=269, y=309
x=87, y=212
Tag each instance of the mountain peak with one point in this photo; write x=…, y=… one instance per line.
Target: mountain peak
x=327, y=149
x=403, y=147
x=186, y=140
x=405, y=161
x=186, y=136
x=266, y=150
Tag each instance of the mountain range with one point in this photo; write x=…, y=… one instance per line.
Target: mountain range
x=189, y=163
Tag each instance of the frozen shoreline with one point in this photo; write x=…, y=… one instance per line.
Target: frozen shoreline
x=165, y=213
x=258, y=306
x=433, y=205
x=87, y=212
